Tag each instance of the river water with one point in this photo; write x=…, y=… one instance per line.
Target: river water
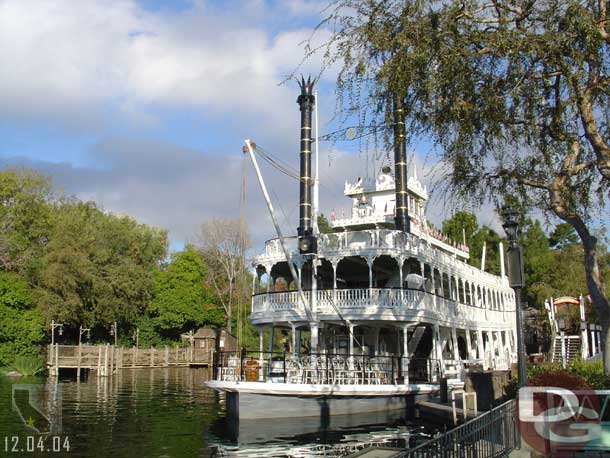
x=169, y=413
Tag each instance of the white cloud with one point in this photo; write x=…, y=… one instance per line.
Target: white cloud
x=75, y=62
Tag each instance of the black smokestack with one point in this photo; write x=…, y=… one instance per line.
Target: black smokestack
x=306, y=102
x=400, y=167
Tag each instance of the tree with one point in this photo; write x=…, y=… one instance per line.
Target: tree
x=516, y=94
x=97, y=268
x=323, y=225
x=562, y=236
x=180, y=302
x=537, y=260
x=21, y=326
x=25, y=210
x=222, y=242
x=464, y=225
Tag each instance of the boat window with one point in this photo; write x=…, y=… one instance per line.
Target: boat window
x=461, y=291
x=468, y=295
x=446, y=287
x=438, y=283
x=352, y=273
x=428, y=278
x=385, y=272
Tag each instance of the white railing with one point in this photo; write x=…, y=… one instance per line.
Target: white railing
x=355, y=243
x=370, y=300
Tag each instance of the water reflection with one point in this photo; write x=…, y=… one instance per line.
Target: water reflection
x=170, y=413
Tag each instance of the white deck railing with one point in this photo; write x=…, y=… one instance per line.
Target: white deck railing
x=370, y=300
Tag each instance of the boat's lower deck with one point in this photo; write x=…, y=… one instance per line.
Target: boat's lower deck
x=322, y=390
x=252, y=400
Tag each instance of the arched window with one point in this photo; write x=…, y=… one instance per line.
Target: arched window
x=462, y=297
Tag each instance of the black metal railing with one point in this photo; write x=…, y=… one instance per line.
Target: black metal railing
x=492, y=434
x=325, y=368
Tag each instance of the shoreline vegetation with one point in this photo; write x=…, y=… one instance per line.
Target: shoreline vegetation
x=70, y=261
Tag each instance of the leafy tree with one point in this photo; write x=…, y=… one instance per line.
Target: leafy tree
x=537, y=260
x=516, y=93
x=323, y=225
x=465, y=223
x=180, y=302
x=97, y=268
x=25, y=210
x=21, y=326
x=562, y=236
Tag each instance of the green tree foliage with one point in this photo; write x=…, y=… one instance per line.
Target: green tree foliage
x=24, y=219
x=461, y=224
x=465, y=223
x=97, y=268
x=563, y=236
x=323, y=225
x=21, y=326
x=180, y=302
x=537, y=260
x=516, y=94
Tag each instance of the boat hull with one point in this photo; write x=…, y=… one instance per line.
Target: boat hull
x=253, y=400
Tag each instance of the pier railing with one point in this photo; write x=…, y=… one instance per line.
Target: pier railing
x=106, y=359
x=323, y=368
x=492, y=434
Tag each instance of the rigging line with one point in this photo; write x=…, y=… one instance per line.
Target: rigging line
x=279, y=204
x=287, y=165
x=277, y=163
x=280, y=161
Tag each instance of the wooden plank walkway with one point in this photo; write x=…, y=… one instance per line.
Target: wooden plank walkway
x=107, y=359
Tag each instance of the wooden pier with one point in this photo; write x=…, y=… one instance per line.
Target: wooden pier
x=107, y=359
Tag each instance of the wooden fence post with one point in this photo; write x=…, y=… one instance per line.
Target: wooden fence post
x=80, y=355
x=99, y=361
x=105, y=360
x=152, y=356
x=166, y=356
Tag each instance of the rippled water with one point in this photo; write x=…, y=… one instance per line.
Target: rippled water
x=168, y=413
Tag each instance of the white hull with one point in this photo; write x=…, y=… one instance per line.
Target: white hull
x=251, y=400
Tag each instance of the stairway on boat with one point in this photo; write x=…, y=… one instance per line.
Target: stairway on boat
x=572, y=349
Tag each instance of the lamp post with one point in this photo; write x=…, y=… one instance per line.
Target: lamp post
x=114, y=332
x=82, y=331
x=53, y=326
x=516, y=280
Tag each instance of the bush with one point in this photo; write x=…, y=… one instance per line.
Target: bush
x=579, y=375
x=592, y=372
x=29, y=365
x=560, y=378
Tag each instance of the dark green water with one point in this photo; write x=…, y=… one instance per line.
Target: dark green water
x=166, y=413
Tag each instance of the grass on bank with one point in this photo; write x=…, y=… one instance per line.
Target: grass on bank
x=26, y=365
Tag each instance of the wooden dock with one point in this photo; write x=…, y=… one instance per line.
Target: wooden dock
x=107, y=359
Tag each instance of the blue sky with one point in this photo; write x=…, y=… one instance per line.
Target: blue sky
x=143, y=105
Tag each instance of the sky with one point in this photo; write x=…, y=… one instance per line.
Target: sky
x=143, y=107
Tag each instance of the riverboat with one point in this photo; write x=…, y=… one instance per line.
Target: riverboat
x=371, y=315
